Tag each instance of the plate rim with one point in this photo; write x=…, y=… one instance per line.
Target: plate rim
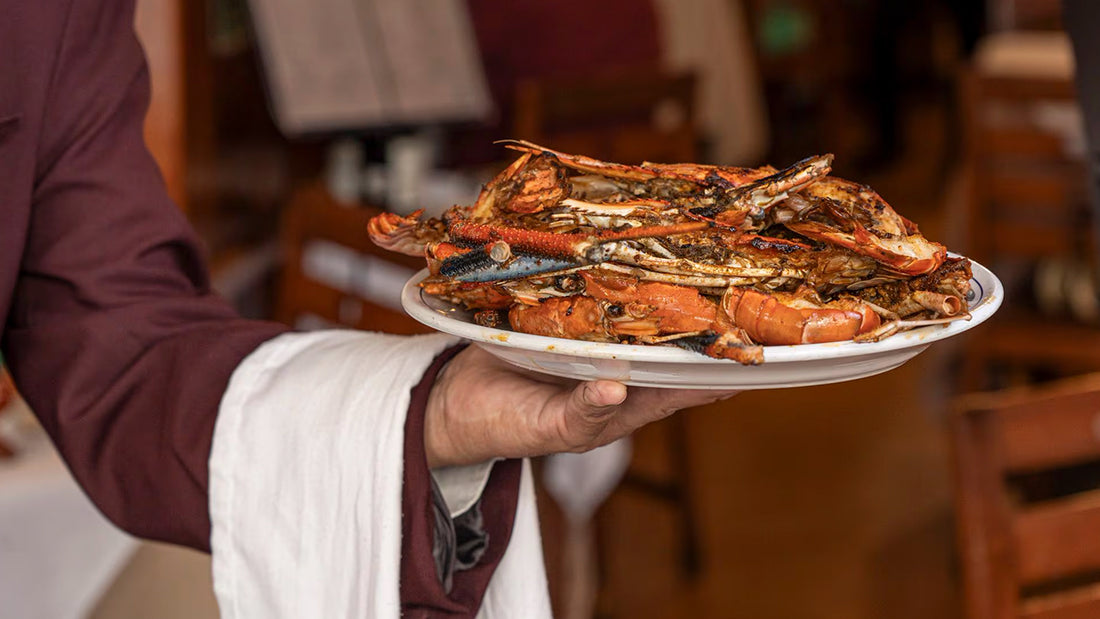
x=414, y=304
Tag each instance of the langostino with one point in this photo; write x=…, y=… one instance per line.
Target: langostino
x=720, y=260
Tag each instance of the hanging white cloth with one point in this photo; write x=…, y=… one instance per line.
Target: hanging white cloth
x=306, y=477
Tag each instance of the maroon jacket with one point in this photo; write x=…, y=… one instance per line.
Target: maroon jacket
x=109, y=326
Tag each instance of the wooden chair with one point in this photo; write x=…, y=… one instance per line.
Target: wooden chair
x=1028, y=204
x=623, y=117
x=313, y=216
x=1027, y=478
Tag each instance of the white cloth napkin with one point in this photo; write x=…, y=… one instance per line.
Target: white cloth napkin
x=306, y=477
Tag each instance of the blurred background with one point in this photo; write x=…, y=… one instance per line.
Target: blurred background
x=282, y=127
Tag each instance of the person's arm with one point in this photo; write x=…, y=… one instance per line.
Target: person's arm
x=114, y=337
x=482, y=408
x=124, y=353
x=479, y=408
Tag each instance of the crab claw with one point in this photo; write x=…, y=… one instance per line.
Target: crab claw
x=854, y=216
x=406, y=235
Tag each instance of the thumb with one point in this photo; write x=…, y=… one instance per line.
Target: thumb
x=590, y=407
x=599, y=398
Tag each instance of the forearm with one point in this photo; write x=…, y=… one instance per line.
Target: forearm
x=134, y=417
x=423, y=586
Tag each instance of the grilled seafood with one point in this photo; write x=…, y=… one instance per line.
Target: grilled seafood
x=721, y=260
x=854, y=216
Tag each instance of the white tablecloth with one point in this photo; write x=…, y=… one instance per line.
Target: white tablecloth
x=57, y=553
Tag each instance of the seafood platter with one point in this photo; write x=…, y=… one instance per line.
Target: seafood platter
x=686, y=275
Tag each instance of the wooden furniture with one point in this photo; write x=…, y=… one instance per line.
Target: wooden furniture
x=312, y=215
x=1029, y=192
x=621, y=117
x=1028, y=500
x=1028, y=206
x=1025, y=14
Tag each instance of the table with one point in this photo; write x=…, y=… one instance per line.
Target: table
x=57, y=552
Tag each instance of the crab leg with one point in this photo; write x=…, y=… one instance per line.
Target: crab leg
x=479, y=266
x=508, y=253
x=586, y=164
x=743, y=207
x=621, y=209
x=896, y=326
x=624, y=253
x=576, y=245
x=694, y=173
x=695, y=281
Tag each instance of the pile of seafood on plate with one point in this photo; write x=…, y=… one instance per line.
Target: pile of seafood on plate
x=716, y=259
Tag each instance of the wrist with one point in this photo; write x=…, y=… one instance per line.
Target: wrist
x=439, y=450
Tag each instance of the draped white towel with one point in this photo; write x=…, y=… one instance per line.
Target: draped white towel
x=305, y=484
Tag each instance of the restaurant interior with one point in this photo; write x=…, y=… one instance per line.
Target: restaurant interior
x=962, y=484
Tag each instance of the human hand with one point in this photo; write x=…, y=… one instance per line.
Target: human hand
x=481, y=408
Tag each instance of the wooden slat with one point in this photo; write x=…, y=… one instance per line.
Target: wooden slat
x=632, y=97
x=1051, y=433
x=1014, y=141
x=624, y=144
x=313, y=215
x=312, y=297
x=1026, y=239
x=1058, y=538
x=991, y=88
x=1052, y=190
x=1081, y=603
x=627, y=117
x=982, y=522
x=676, y=147
x=321, y=217
x=1045, y=427
x=1042, y=342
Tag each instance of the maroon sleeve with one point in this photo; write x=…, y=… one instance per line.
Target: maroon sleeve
x=114, y=336
x=422, y=595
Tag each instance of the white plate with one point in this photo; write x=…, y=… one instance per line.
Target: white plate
x=668, y=366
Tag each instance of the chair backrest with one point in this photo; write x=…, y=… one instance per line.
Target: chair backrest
x=1028, y=500
x=314, y=221
x=1030, y=189
x=1028, y=215
x=622, y=117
